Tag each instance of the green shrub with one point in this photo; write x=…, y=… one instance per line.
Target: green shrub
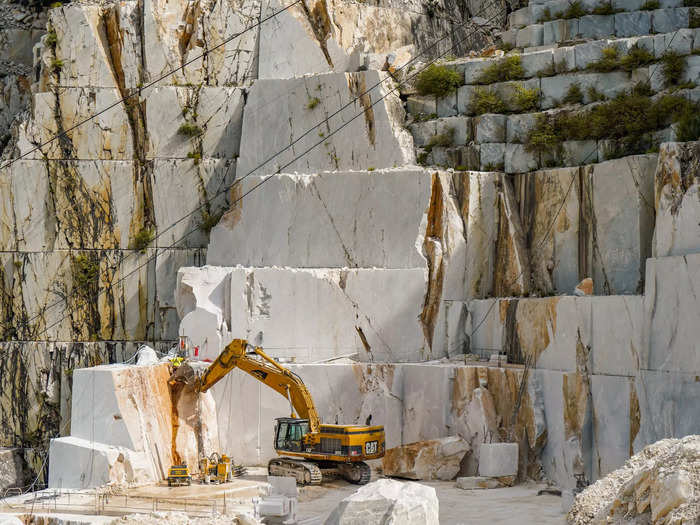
x=189, y=130
x=594, y=95
x=672, y=68
x=56, y=65
x=575, y=10
x=650, y=5
x=525, y=99
x=142, y=239
x=442, y=140
x=642, y=89
x=605, y=8
x=487, y=101
x=422, y=158
x=438, y=81
x=546, y=16
x=544, y=136
x=688, y=127
x=694, y=17
x=196, y=156
x=51, y=38
x=313, y=102
x=508, y=68
x=505, y=46
x=85, y=270
x=209, y=220
x=494, y=166
x=548, y=71
x=691, y=3
x=574, y=95
x=636, y=57
x=608, y=61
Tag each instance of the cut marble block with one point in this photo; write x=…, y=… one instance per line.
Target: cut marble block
x=297, y=221
x=311, y=314
x=622, y=237
x=131, y=409
x=108, y=136
x=333, y=219
x=671, y=306
x=278, y=112
x=498, y=459
x=187, y=197
x=175, y=33
x=214, y=116
x=667, y=406
x=677, y=228
x=567, y=413
x=616, y=419
x=15, y=96
x=78, y=463
x=427, y=460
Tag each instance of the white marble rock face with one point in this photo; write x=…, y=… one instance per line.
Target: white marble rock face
x=279, y=112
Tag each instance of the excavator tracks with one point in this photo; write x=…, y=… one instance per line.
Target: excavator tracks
x=305, y=472
x=357, y=473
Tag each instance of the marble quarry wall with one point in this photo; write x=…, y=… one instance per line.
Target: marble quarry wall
x=352, y=229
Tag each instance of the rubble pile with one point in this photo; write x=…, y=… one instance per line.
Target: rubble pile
x=660, y=485
x=180, y=518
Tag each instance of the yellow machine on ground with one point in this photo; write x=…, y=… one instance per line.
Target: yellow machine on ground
x=179, y=475
x=310, y=450
x=219, y=469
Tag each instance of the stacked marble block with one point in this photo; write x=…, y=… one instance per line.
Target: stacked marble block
x=528, y=29
x=633, y=360
x=496, y=141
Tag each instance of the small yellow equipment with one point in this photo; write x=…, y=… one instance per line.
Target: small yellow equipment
x=179, y=475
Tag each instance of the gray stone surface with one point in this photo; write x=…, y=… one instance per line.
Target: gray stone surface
x=417, y=105
x=490, y=128
x=668, y=20
x=423, y=131
x=596, y=26
x=530, y=36
x=680, y=41
x=498, y=459
x=579, y=152
x=612, y=425
x=617, y=335
x=447, y=106
x=518, y=126
x=671, y=303
x=618, y=258
x=476, y=482
x=559, y=31
x=459, y=127
x=535, y=62
x=633, y=24
x=517, y=160
x=492, y=156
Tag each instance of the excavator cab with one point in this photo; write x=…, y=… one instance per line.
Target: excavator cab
x=289, y=434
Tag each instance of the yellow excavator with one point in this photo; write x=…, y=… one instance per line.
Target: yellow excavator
x=310, y=450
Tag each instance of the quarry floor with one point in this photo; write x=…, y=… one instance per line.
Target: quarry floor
x=517, y=505
x=514, y=505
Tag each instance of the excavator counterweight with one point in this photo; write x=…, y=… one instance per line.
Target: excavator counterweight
x=309, y=449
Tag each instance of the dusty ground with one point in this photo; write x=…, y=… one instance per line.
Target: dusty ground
x=518, y=505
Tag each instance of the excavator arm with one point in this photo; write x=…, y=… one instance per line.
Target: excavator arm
x=266, y=370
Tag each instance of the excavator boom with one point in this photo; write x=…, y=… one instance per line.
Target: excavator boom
x=266, y=370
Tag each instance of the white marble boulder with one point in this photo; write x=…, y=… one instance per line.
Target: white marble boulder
x=427, y=460
x=388, y=501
